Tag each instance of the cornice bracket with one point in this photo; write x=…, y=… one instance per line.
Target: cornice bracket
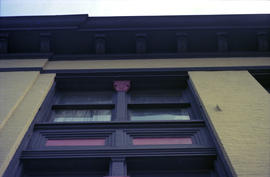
x=100, y=43
x=182, y=43
x=3, y=43
x=141, y=46
x=262, y=41
x=45, y=42
x=222, y=42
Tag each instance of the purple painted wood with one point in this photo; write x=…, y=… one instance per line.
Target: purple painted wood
x=76, y=142
x=161, y=141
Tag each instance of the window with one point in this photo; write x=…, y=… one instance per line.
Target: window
x=154, y=104
x=121, y=125
x=126, y=100
x=77, y=101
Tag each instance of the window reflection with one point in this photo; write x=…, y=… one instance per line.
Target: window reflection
x=63, y=115
x=159, y=114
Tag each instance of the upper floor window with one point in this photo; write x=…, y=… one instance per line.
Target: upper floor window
x=132, y=99
x=130, y=125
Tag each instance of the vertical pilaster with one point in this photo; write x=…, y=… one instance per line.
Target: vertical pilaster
x=118, y=167
x=121, y=108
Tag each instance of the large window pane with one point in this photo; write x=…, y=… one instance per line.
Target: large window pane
x=144, y=114
x=85, y=97
x=64, y=115
x=156, y=96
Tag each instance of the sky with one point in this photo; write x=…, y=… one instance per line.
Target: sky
x=132, y=7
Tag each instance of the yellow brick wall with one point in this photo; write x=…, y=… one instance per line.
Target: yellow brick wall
x=242, y=119
x=141, y=63
x=23, y=63
x=13, y=87
x=158, y=63
x=27, y=91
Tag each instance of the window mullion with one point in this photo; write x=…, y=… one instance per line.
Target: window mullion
x=121, y=99
x=118, y=167
x=121, y=106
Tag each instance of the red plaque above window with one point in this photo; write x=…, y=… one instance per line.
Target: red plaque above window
x=76, y=142
x=161, y=141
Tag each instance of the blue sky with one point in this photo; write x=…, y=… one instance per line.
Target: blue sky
x=132, y=7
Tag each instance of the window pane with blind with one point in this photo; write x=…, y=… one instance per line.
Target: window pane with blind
x=82, y=115
x=156, y=96
x=85, y=97
x=146, y=114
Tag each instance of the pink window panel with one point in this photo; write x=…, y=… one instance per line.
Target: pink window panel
x=76, y=142
x=161, y=141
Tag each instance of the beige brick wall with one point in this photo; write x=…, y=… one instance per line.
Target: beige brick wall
x=13, y=87
x=158, y=63
x=23, y=63
x=242, y=122
x=145, y=63
x=14, y=129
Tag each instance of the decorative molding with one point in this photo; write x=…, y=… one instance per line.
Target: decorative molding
x=121, y=86
x=118, y=125
x=118, y=136
x=89, y=23
x=138, y=152
x=132, y=56
x=40, y=137
x=196, y=134
x=128, y=37
x=51, y=22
